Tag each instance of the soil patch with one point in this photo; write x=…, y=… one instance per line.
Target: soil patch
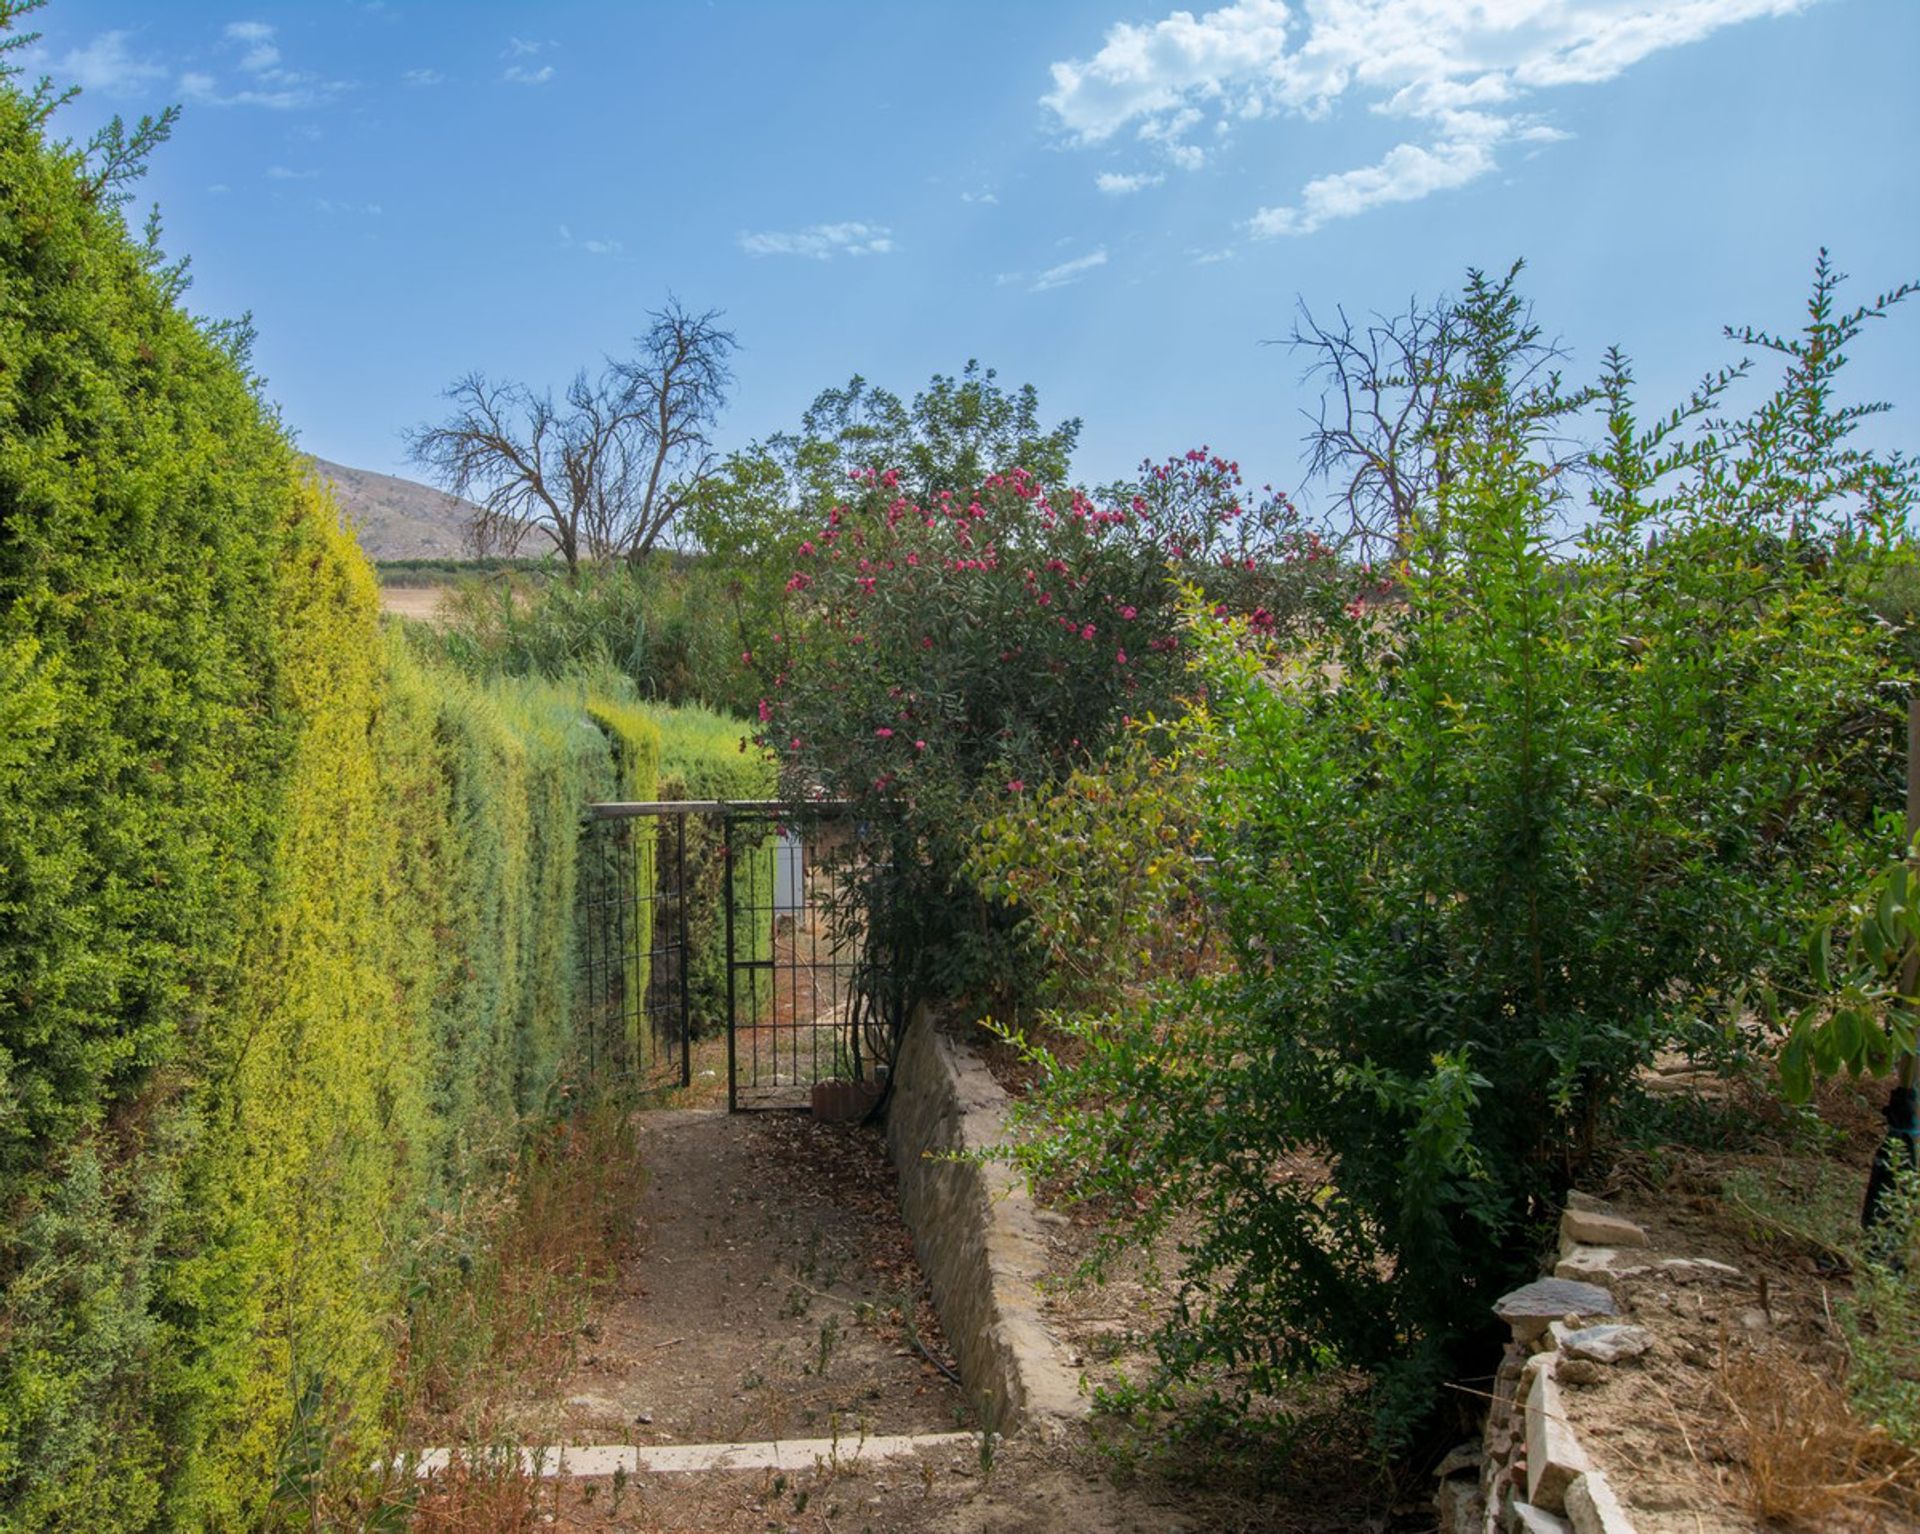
x=420, y=603
x=774, y=1294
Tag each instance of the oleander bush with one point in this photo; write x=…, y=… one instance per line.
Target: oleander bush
x=937, y=661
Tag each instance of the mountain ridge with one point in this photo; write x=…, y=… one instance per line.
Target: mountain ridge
x=396, y=518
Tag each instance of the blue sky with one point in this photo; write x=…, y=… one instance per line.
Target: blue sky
x=1116, y=201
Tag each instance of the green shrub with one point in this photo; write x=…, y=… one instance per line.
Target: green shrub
x=147, y=506
x=662, y=625
x=1482, y=851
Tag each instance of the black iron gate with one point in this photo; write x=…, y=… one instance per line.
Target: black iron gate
x=634, y=889
x=743, y=925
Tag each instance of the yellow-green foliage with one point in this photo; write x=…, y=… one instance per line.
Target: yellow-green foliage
x=145, y=735
x=635, y=739
x=288, y=913
x=701, y=758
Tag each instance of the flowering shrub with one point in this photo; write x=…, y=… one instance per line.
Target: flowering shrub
x=944, y=659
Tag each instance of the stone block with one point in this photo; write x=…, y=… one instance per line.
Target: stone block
x=1525, y=1518
x=1692, y=1270
x=1591, y=1228
x=1607, y=1343
x=1459, y=1507
x=1586, y=1263
x=1531, y=1308
x=1592, y=1508
x=1554, y=1455
x=843, y=1102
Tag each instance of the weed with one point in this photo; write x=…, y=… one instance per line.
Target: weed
x=1817, y=1210
x=989, y=1447
x=1806, y=1454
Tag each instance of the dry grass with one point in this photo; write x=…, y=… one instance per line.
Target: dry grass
x=483, y=1494
x=1806, y=1457
x=506, y=1317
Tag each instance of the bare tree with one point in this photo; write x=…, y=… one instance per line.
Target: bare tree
x=1384, y=387
x=1380, y=386
x=604, y=474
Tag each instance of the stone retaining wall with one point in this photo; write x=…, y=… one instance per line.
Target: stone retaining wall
x=1534, y=1470
x=975, y=1231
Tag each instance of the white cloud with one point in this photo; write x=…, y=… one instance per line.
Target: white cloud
x=1068, y=271
x=422, y=77
x=1460, y=69
x=1408, y=172
x=591, y=247
x=821, y=242
x=262, y=53
x=1116, y=185
x=987, y=198
x=521, y=48
x=329, y=206
x=519, y=74
x=105, y=65
x=267, y=82
x=281, y=173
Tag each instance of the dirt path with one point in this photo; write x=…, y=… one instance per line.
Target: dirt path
x=775, y=1295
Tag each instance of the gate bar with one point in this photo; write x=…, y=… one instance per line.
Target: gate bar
x=624, y=809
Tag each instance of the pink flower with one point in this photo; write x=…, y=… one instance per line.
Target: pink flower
x=806, y=546
x=919, y=745
x=746, y=657
x=1129, y=612
x=766, y=711
x=1120, y=657
x=883, y=733
x=1087, y=632
x=1016, y=786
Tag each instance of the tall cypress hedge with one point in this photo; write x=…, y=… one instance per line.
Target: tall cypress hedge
x=288, y=914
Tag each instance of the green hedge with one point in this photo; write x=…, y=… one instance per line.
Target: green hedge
x=701, y=758
x=289, y=918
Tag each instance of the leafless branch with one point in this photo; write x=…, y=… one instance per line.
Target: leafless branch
x=604, y=474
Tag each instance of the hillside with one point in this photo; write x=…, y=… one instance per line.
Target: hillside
x=398, y=518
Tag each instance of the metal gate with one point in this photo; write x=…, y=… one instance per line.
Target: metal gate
x=633, y=890
x=755, y=921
